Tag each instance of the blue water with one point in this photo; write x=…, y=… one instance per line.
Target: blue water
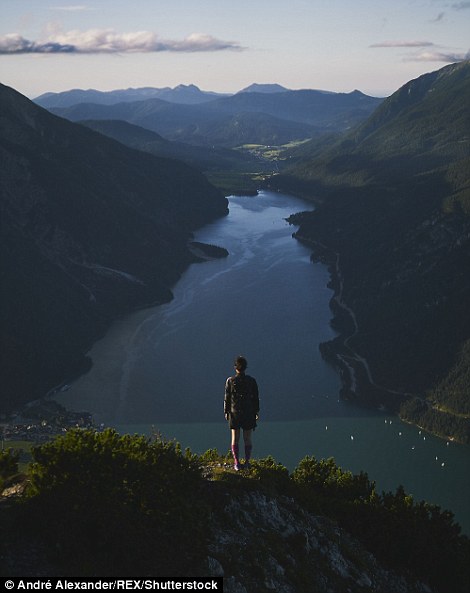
x=164, y=368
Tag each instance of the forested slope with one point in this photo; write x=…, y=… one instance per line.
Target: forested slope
x=90, y=230
x=394, y=199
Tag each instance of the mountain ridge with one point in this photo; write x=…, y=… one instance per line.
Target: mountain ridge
x=264, y=88
x=267, y=118
x=185, y=94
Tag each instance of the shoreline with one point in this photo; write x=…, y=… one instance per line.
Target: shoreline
x=199, y=252
x=126, y=327
x=358, y=384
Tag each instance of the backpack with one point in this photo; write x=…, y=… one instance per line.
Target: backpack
x=241, y=393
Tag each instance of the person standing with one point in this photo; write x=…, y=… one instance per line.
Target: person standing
x=241, y=409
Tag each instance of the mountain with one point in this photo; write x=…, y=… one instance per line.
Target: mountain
x=204, y=158
x=423, y=125
x=186, y=94
x=195, y=124
x=245, y=118
x=90, y=230
x=264, y=88
x=329, y=111
x=394, y=217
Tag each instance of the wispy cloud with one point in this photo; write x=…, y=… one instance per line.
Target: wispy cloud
x=456, y=6
x=430, y=52
x=75, y=8
x=440, y=17
x=403, y=44
x=461, y=6
x=438, y=56
x=109, y=41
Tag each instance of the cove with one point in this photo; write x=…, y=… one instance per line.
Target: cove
x=164, y=368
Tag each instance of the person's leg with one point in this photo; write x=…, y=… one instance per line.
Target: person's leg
x=248, y=445
x=235, y=450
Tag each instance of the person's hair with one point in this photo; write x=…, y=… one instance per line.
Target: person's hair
x=241, y=363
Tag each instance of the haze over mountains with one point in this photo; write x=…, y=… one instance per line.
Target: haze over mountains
x=185, y=94
x=257, y=115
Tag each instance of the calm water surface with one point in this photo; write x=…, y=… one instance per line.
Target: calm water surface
x=164, y=368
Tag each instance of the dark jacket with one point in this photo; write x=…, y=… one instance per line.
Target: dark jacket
x=241, y=401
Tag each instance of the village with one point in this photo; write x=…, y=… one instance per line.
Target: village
x=40, y=421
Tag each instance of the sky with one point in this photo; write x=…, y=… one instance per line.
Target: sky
x=374, y=46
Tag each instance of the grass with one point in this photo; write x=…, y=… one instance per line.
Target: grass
x=271, y=152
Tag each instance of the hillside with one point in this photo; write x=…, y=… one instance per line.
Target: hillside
x=394, y=221
x=422, y=126
x=204, y=158
x=247, y=117
x=195, y=124
x=90, y=230
x=156, y=511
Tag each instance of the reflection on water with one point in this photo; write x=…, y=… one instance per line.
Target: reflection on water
x=266, y=300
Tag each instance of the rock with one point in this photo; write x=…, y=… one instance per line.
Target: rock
x=214, y=567
x=270, y=543
x=233, y=586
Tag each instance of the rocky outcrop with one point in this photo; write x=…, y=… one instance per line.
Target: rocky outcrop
x=262, y=543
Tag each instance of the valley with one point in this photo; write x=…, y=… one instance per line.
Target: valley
x=183, y=183
x=373, y=184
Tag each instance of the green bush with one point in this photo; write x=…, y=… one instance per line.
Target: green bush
x=8, y=463
x=326, y=480
x=410, y=536
x=120, y=503
x=211, y=456
x=8, y=466
x=272, y=475
x=416, y=536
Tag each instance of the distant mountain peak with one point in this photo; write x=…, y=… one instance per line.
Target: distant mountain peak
x=191, y=87
x=188, y=94
x=264, y=88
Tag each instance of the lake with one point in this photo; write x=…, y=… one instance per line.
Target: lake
x=164, y=368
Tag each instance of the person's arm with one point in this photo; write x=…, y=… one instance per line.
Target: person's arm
x=256, y=398
x=227, y=398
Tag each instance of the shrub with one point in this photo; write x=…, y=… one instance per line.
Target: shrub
x=126, y=503
x=8, y=463
x=272, y=475
x=416, y=537
x=327, y=480
x=211, y=456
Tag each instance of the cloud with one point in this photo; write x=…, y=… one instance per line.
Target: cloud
x=437, y=56
x=425, y=55
x=109, y=41
x=403, y=44
x=75, y=8
x=461, y=6
x=439, y=18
